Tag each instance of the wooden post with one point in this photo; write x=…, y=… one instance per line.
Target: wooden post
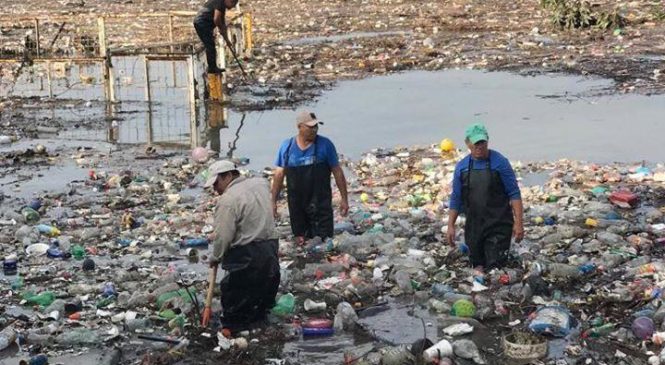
x=109, y=83
x=221, y=52
x=247, y=28
x=146, y=72
x=39, y=48
x=48, y=79
x=193, y=110
x=148, y=99
x=173, y=65
x=101, y=28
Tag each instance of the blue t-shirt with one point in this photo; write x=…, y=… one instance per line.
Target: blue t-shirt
x=325, y=152
x=497, y=163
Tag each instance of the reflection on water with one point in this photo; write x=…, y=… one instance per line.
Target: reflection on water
x=529, y=118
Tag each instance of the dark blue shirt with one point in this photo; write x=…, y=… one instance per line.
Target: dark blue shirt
x=325, y=152
x=497, y=163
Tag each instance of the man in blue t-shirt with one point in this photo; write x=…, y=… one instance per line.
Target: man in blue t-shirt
x=485, y=190
x=307, y=160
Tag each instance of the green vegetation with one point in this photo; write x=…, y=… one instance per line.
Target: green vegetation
x=573, y=14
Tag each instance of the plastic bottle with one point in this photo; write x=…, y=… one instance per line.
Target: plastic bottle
x=439, y=306
x=646, y=269
x=440, y=350
x=600, y=331
x=587, y=268
x=195, y=242
x=78, y=252
x=104, y=302
x=30, y=215
x=48, y=230
x=345, y=318
x=285, y=305
x=137, y=323
x=77, y=336
x=403, y=281
x=7, y=337
x=563, y=271
x=397, y=356
x=40, y=359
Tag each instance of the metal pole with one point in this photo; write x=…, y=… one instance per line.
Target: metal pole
x=193, y=111
x=39, y=49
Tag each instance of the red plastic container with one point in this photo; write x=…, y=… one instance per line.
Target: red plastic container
x=624, y=199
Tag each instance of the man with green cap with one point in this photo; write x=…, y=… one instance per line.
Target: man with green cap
x=485, y=190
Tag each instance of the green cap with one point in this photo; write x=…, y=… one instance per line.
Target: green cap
x=476, y=132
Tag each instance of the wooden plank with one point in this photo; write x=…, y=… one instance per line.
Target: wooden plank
x=193, y=110
x=101, y=29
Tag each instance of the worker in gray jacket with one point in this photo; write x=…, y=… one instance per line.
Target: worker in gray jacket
x=244, y=242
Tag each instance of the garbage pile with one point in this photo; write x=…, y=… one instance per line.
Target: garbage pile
x=586, y=282
x=120, y=260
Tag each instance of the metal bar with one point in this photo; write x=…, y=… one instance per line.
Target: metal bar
x=193, y=110
x=39, y=48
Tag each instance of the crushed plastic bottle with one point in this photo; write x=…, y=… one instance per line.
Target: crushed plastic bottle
x=7, y=337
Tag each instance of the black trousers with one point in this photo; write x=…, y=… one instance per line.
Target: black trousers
x=249, y=291
x=204, y=29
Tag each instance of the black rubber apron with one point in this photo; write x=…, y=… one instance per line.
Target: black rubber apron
x=309, y=196
x=249, y=289
x=489, y=216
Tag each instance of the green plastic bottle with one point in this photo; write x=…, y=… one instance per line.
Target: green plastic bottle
x=78, y=252
x=43, y=299
x=285, y=305
x=104, y=302
x=30, y=215
x=600, y=331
